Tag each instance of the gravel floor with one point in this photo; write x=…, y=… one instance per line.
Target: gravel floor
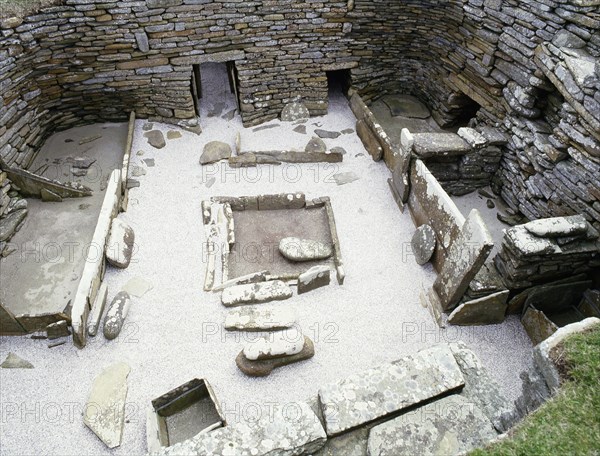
x=174, y=333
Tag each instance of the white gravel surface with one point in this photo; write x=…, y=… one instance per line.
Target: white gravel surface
x=174, y=332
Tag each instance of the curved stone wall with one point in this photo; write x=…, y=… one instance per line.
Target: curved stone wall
x=527, y=64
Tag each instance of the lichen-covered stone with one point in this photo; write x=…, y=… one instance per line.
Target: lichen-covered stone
x=116, y=314
x=263, y=367
x=558, y=226
x=375, y=393
x=452, y=425
x=274, y=290
x=215, y=151
x=294, y=111
x=119, y=246
x=315, y=277
x=423, y=244
x=260, y=318
x=275, y=345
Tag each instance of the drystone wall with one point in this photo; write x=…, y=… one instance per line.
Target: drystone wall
x=530, y=65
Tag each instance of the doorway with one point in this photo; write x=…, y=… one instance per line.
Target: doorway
x=214, y=87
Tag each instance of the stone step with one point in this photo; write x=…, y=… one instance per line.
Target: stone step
x=260, y=318
x=390, y=388
x=274, y=290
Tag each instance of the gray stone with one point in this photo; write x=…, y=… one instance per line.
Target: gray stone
x=369, y=140
x=564, y=38
x=277, y=433
x=83, y=162
x=13, y=361
x=423, y=244
x=542, y=352
x=251, y=293
x=57, y=330
x=296, y=249
x=345, y=178
x=260, y=318
x=294, y=111
x=263, y=367
x=301, y=129
x=276, y=344
x=449, y=426
x=487, y=310
x=119, y=246
x=481, y=389
x=104, y=412
x=338, y=150
x=281, y=201
x=466, y=256
x=137, y=287
x=215, y=151
x=325, y=134
x=316, y=145
x=390, y=388
x=173, y=134
x=315, y=277
x=574, y=225
x=116, y=314
x=142, y=41
x=97, y=310
x=48, y=196
x=430, y=145
x=149, y=162
x=155, y=139
x=406, y=106
x=472, y=136
x=146, y=127
x=254, y=277
x=138, y=171
x=537, y=325
x=10, y=223
x=89, y=139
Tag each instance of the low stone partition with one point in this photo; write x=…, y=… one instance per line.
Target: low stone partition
x=276, y=157
x=36, y=186
x=372, y=135
x=430, y=204
x=95, y=264
x=13, y=210
x=460, y=162
x=547, y=249
x=126, y=161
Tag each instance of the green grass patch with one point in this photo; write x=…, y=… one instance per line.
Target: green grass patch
x=569, y=423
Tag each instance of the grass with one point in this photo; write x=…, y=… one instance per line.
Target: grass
x=569, y=423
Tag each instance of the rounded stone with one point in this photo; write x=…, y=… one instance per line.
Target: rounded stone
x=215, y=151
x=423, y=244
x=296, y=249
x=116, y=314
x=294, y=111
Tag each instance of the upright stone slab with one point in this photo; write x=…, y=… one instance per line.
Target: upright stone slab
x=481, y=389
x=388, y=389
x=487, y=310
x=119, y=246
x=465, y=257
x=315, y=277
x=289, y=430
x=452, y=425
x=116, y=314
x=262, y=317
x=97, y=309
x=104, y=412
x=369, y=140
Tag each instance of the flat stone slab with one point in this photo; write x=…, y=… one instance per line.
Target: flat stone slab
x=137, y=287
x=465, y=258
x=428, y=145
x=296, y=249
x=325, y=134
x=253, y=277
x=315, y=277
x=487, y=310
x=481, y=389
x=262, y=368
x=284, y=431
x=104, y=413
x=406, y=106
x=119, y=246
x=215, y=151
x=574, y=225
x=528, y=244
x=156, y=139
x=277, y=344
x=260, y=318
x=423, y=244
x=345, y=178
x=10, y=223
x=388, y=389
x=537, y=325
x=315, y=145
x=274, y=290
x=13, y=361
x=452, y=425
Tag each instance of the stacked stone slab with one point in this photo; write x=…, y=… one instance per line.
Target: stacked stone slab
x=530, y=256
x=13, y=210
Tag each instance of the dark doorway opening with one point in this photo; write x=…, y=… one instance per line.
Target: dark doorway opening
x=338, y=81
x=465, y=108
x=214, y=86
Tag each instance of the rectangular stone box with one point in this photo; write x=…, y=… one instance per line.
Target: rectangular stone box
x=185, y=411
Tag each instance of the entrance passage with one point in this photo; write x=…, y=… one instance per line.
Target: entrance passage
x=338, y=81
x=214, y=88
